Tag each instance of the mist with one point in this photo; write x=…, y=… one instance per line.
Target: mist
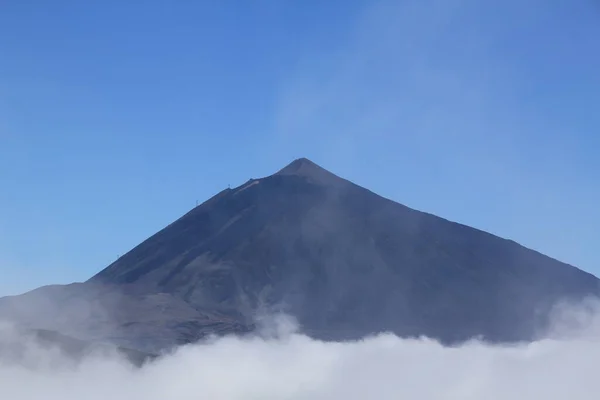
x=281, y=363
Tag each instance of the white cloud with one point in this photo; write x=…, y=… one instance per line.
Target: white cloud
x=292, y=366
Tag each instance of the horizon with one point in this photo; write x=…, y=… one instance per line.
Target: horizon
x=484, y=115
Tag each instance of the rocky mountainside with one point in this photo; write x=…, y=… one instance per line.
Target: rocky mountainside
x=343, y=260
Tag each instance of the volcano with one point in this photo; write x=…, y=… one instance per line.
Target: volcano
x=344, y=261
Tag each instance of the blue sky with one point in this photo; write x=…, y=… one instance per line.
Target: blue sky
x=115, y=117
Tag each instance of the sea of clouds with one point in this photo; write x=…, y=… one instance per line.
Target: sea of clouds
x=283, y=364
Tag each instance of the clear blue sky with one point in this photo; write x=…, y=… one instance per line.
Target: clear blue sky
x=116, y=116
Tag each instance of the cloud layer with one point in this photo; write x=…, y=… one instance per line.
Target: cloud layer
x=288, y=365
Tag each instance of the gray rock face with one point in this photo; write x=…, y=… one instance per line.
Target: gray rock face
x=343, y=260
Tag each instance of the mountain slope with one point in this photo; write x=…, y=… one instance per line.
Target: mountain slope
x=121, y=315
x=16, y=346
x=347, y=263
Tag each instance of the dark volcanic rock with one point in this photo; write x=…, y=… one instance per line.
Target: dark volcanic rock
x=343, y=260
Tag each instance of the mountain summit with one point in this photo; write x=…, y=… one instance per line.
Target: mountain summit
x=341, y=259
x=302, y=167
x=305, y=168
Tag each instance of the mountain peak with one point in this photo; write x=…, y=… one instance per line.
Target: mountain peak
x=300, y=166
x=307, y=169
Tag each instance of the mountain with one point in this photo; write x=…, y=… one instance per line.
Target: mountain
x=344, y=261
